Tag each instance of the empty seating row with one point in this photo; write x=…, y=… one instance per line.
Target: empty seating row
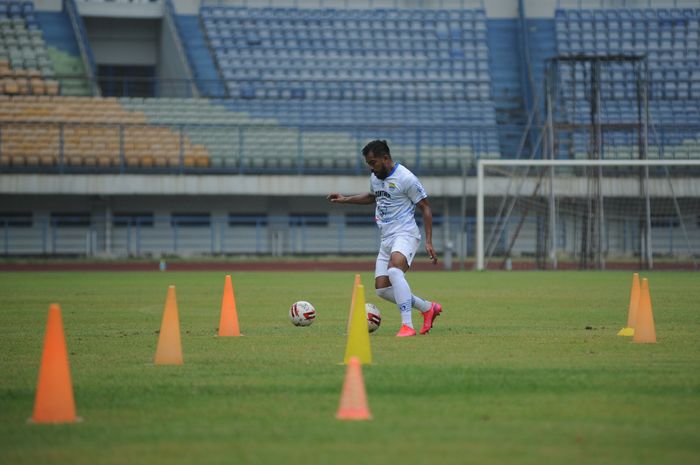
x=427, y=55
x=662, y=112
x=19, y=80
x=668, y=38
x=25, y=66
x=102, y=133
x=409, y=63
x=303, y=31
x=432, y=91
x=328, y=15
x=236, y=140
x=658, y=15
x=354, y=113
x=90, y=132
x=625, y=146
x=345, y=73
x=19, y=9
x=329, y=48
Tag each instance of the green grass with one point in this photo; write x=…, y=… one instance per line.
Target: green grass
x=510, y=374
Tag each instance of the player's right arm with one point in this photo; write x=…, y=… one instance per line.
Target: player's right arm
x=358, y=199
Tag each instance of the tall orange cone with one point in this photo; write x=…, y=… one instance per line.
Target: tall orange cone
x=358, y=336
x=54, y=401
x=644, y=330
x=228, y=323
x=353, y=399
x=352, y=301
x=632, y=309
x=169, y=350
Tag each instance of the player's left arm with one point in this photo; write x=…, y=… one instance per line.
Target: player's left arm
x=428, y=225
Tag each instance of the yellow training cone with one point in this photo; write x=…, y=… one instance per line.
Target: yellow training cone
x=644, y=330
x=228, y=323
x=633, y=307
x=169, y=350
x=352, y=301
x=358, y=336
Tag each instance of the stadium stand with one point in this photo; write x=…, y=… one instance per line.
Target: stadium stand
x=304, y=87
x=670, y=40
x=89, y=132
x=25, y=66
x=422, y=76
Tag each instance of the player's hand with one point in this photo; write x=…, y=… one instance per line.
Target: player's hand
x=335, y=197
x=431, y=253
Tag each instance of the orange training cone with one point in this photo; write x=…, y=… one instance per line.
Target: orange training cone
x=632, y=309
x=228, y=323
x=352, y=301
x=644, y=330
x=169, y=350
x=353, y=400
x=54, y=401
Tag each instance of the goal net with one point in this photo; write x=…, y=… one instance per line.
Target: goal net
x=588, y=214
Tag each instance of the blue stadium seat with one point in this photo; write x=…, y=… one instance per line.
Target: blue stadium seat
x=303, y=66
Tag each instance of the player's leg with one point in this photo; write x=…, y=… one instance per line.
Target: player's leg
x=402, y=252
x=383, y=286
x=402, y=292
x=385, y=290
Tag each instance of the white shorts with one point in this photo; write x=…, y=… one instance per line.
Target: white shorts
x=406, y=245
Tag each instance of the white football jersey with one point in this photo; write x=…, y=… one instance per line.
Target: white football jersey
x=396, y=198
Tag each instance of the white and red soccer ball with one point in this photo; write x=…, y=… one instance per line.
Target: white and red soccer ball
x=302, y=313
x=374, y=317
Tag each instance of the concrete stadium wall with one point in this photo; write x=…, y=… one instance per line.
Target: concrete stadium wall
x=121, y=41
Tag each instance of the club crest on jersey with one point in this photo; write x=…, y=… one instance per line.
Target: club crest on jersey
x=392, y=185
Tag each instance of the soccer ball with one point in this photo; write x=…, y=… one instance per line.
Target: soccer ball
x=302, y=313
x=374, y=317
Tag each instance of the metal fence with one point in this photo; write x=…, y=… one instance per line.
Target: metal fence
x=146, y=235
x=243, y=148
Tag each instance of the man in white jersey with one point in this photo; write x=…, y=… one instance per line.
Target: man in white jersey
x=396, y=192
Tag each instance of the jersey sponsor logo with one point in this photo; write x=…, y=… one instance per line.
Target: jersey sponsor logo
x=382, y=194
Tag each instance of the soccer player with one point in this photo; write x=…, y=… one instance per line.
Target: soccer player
x=396, y=192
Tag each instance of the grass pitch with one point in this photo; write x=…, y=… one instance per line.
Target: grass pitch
x=521, y=368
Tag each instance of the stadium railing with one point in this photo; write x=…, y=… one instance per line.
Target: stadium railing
x=143, y=234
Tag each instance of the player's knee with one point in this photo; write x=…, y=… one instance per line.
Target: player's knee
x=398, y=260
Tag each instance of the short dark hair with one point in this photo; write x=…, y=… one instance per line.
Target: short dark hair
x=378, y=148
